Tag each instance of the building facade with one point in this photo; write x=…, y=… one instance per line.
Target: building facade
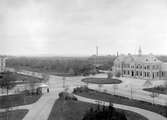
x=140, y=67
x=2, y=64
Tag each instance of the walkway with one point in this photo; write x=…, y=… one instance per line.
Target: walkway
x=41, y=109
x=148, y=114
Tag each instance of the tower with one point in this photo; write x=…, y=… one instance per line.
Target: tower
x=140, y=51
x=97, y=51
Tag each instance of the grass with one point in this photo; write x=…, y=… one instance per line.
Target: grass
x=160, y=90
x=101, y=81
x=17, y=100
x=23, y=79
x=75, y=110
x=123, y=100
x=13, y=115
x=45, y=71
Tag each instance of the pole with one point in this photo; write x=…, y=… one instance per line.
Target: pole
x=64, y=81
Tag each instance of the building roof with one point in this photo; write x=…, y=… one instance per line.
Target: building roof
x=137, y=59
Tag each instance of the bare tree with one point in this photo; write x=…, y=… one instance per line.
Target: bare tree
x=100, y=86
x=153, y=95
x=115, y=87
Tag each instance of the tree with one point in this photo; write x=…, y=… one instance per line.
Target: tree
x=7, y=81
x=154, y=95
x=115, y=87
x=100, y=86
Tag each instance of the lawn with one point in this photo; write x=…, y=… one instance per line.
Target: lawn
x=23, y=79
x=17, y=100
x=75, y=110
x=101, y=81
x=123, y=100
x=13, y=115
x=159, y=89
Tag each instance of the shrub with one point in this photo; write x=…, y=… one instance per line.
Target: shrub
x=80, y=89
x=118, y=74
x=67, y=96
x=106, y=113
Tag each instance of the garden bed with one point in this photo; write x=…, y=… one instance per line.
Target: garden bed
x=13, y=115
x=17, y=100
x=89, y=93
x=101, y=81
x=75, y=110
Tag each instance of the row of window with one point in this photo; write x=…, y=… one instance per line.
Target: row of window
x=140, y=73
x=138, y=66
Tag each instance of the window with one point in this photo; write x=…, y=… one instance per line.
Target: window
x=146, y=59
x=128, y=72
x=162, y=74
x=124, y=72
x=148, y=74
x=148, y=67
x=140, y=73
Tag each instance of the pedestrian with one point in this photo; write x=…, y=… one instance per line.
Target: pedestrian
x=47, y=90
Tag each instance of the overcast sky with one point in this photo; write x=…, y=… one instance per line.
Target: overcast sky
x=76, y=27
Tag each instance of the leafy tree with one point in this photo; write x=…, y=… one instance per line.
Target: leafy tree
x=106, y=113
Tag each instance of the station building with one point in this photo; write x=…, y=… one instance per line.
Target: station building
x=140, y=67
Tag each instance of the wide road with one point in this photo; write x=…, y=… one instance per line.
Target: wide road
x=41, y=109
x=129, y=89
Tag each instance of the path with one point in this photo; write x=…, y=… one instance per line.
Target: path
x=148, y=114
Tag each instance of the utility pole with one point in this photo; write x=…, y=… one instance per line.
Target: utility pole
x=64, y=81
x=97, y=52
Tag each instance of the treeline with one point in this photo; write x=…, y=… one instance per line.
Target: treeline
x=74, y=66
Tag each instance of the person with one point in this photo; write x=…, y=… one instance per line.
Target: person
x=47, y=90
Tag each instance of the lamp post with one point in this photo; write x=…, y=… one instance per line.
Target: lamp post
x=64, y=78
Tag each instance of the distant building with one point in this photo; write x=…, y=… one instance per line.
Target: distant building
x=2, y=63
x=140, y=66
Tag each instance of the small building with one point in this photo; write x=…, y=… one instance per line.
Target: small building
x=140, y=66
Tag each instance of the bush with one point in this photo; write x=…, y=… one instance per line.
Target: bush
x=80, y=89
x=67, y=96
x=118, y=74
x=104, y=113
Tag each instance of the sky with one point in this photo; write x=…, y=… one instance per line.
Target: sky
x=76, y=27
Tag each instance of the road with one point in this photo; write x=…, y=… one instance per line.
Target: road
x=128, y=88
x=41, y=109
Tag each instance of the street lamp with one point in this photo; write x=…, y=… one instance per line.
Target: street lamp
x=64, y=78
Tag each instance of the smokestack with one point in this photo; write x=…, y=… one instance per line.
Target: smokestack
x=97, y=50
x=117, y=54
